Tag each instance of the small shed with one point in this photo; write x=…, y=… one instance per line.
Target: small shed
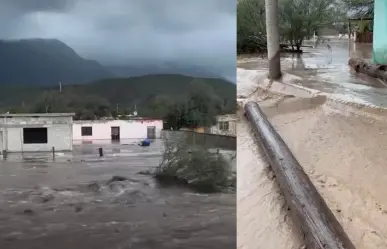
x=361, y=23
x=36, y=132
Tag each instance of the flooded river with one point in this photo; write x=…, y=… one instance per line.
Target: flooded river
x=79, y=202
x=328, y=71
x=343, y=154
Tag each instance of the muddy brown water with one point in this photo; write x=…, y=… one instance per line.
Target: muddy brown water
x=71, y=204
x=329, y=72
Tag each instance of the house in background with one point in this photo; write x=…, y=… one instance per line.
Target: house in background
x=361, y=23
x=37, y=132
x=226, y=125
x=115, y=130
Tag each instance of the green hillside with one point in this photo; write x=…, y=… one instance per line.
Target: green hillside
x=104, y=97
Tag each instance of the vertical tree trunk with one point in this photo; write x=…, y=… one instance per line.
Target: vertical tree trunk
x=273, y=38
x=299, y=44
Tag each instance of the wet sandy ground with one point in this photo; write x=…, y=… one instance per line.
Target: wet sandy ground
x=72, y=204
x=262, y=216
x=343, y=154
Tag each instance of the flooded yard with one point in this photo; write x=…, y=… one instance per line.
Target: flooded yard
x=86, y=201
x=342, y=153
x=326, y=71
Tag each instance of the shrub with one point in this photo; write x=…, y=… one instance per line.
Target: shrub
x=195, y=166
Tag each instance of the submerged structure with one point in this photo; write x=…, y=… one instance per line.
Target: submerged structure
x=36, y=132
x=379, y=48
x=116, y=130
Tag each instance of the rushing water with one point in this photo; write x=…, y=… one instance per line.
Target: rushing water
x=328, y=71
x=73, y=202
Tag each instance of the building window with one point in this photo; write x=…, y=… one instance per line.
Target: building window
x=35, y=135
x=224, y=125
x=87, y=131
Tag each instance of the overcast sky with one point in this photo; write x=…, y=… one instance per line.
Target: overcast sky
x=115, y=31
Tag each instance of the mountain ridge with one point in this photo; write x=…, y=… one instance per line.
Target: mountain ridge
x=47, y=62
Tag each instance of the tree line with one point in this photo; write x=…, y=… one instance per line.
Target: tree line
x=198, y=105
x=298, y=21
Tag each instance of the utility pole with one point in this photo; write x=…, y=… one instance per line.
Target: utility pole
x=273, y=38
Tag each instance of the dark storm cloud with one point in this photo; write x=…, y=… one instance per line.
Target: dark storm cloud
x=201, y=32
x=25, y=6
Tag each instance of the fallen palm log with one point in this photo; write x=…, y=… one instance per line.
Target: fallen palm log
x=365, y=67
x=320, y=228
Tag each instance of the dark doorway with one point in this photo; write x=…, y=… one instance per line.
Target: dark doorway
x=115, y=133
x=1, y=141
x=151, y=132
x=35, y=135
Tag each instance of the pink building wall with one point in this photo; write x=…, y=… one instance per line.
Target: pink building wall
x=129, y=129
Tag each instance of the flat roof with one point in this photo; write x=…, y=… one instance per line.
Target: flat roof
x=11, y=115
x=113, y=120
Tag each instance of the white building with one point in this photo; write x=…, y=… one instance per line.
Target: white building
x=117, y=129
x=36, y=132
x=226, y=125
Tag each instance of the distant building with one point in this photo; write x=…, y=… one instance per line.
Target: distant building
x=136, y=128
x=226, y=125
x=38, y=132
x=361, y=23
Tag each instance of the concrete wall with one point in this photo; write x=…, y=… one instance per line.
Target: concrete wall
x=129, y=129
x=59, y=133
x=204, y=139
x=231, y=119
